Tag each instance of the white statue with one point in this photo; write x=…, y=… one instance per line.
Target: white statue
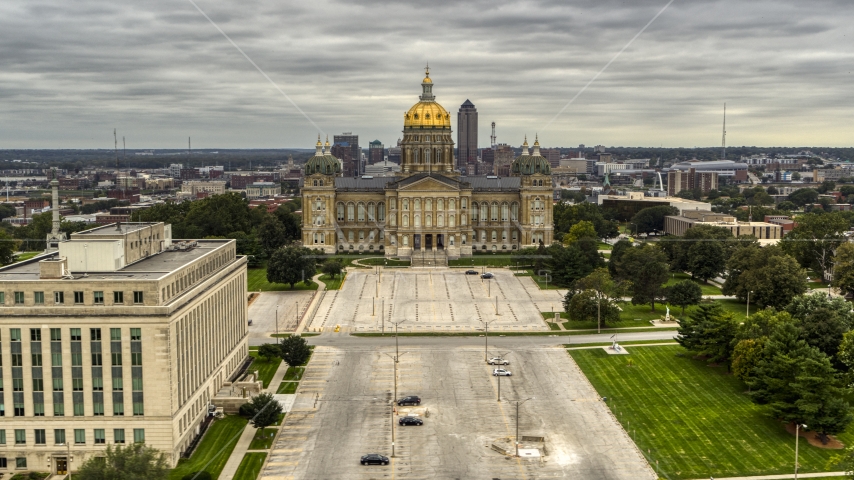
x=667, y=317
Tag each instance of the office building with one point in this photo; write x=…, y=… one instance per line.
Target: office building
x=732, y=171
x=466, y=134
x=625, y=207
x=504, y=156
x=346, y=148
x=118, y=336
x=262, y=190
x=376, y=152
x=679, y=224
x=691, y=179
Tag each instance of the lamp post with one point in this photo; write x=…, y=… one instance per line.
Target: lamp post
x=68, y=459
x=519, y=403
x=798, y=426
x=396, y=360
x=486, y=340
x=277, y=324
x=748, y=304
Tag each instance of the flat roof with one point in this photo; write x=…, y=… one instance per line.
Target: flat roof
x=113, y=229
x=150, y=268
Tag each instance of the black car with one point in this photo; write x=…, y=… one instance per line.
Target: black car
x=487, y=275
x=411, y=400
x=374, y=459
x=406, y=421
x=471, y=272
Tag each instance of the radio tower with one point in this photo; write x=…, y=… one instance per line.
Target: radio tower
x=492, y=137
x=723, y=140
x=116, y=146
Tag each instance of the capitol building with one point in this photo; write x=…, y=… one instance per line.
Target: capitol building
x=428, y=212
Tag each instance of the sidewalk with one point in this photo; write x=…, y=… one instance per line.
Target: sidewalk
x=782, y=477
x=239, y=451
x=318, y=297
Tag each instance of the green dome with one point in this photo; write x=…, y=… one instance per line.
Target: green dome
x=322, y=163
x=531, y=164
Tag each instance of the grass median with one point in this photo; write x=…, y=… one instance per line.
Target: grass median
x=250, y=466
x=212, y=453
x=266, y=369
x=694, y=420
x=511, y=334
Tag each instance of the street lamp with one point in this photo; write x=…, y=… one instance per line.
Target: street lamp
x=748, y=303
x=798, y=426
x=518, y=403
x=486, y=339
x=396, y=360
x=277, y=324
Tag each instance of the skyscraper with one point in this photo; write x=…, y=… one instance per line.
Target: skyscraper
x=376, y=152
x=346, y=147
x=466, y=134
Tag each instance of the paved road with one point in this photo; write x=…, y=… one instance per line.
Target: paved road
x=262, y=312
x=343, y=411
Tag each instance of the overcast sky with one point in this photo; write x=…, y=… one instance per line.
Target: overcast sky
x=158, y=71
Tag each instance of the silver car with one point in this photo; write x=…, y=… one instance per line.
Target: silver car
x=498, y=361
x=500, y=372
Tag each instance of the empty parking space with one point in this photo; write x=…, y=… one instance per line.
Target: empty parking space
x=347, y=412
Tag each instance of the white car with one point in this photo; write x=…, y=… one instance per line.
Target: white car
x=498, y=361
x=500, y=372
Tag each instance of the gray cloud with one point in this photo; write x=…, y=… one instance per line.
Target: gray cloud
x=159, y=72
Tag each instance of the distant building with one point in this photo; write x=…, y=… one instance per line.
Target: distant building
x=376, y=152
x=579, y=165
x=627, y=206
x=552, y=155
x=679, y=224
x=190, y=173
x=679, y=180
x=346, y=148
x=733, y=171
x=394, y=153
x=175, y=170
x=381, y=169
x=487, y=156
x=240, y=182
x=466, y=134
x=783, y=221
x=193, y=188
x=271, y=204
x=262, y=190
x=504, y=157
x=821, y=175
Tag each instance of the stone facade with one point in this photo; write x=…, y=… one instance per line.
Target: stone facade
x=428, y=206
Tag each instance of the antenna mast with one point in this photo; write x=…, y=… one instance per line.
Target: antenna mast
x=723, y=139
x=116, y=146
x=124, y=147
x=492, y=138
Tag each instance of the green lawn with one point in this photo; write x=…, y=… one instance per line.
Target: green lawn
x=263, y=439
x=707, y=288
x=628, y=321
x=553, y=326
x=256, y=280
x=738, y=308
x=250, y=466
x=643, y=312
x=605, y=246
x=26, y=256
x=511, y=334
x=294, y=374
x=333, y=283
x=540, y=281
x=287, y=387
x=386, y=262
x=266, y=369
x=497, y=260
x=212, y=453
x=627, y=344
x=695, y=420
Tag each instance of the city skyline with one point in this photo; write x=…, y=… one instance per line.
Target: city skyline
x=160, y=73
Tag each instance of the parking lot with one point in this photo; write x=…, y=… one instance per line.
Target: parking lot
x=344, y=410
x=435, y=300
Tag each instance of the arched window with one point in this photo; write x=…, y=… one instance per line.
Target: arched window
x=494, y=212
x=463, y=239
x=483, y=236
x=361, y=210
x=428, y=204
x=405, y=219
x=417, y=220
x=483, y=212
x=473, y=211
x=438, y=156
x=514, y=211
x=452, y=220
x=318, y=204
x=464, y=203
x=463, y=219
x=381, y=212
x=406, y=240
x=440, y=204
x=315, y=183
x=429, y=220
x=417, y=204
x=393, y=219
x=416, y=156
x=494, y=236
x=393, y=204
x=426, y=155
x=351, y=212
x=340, y=208
x=515, y=236
x=406, y=204
x=440, y=220
x=320, y=183
x=452, y=204
x=350, y=236
x=505, y=212
x=372, y=212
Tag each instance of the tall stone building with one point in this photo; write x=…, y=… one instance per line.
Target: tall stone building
x=466, y=135
x=428, y=212
x=347, y=149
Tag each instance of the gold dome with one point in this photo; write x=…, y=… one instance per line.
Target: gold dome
x=427, y=115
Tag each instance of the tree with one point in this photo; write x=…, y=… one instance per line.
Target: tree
x=263, y=410
x=605, y=292
x=705, y=260
x=8, y=247
x=568, y=264
x=803, y=196
x=787, y=206
x=567, y=215
x=133, y=462
x=291, y=264
x=803, y=305
x=294, y=350
x=770, y=276
x=616, y=259
x=843, y=271
x=702, y=251
x=332, y=267
x=823, y=329
x=269, y=351
x=646, y=267
x=799, y=384
x=651, y=219
x=7, y=210
x=745, y=357
x=583, y=307
x=826, y=186
x=796, y=176
x=684, y=293
x=709, y=331
x=815, y=239
x=845, y=354
x=582, y=229
x=271, y=234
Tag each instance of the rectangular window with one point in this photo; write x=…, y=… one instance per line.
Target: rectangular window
x=138, y=404
x=97, y=359
x=37, y=359
x=21, y=463
x=58, y=407
x=58, y=298
x=76, y=336
x=41, y=439
x=15, y=334
x=20, y=437
x=56, y=359
x=97, y=381
x=119, y=435
x=115, y=334
x=78, y=297
x=2, y=297
x=98, y=298
x=19, y=298
x=79, y=436
x=136, y=358
x=38, y=384
x=55, y=334
x=77, y=398
x=118, y=297
x=39, y=298
x=138, y=435
x=137, y=297
x=95, y=334
x=2, y=437
x=35, y=334
x=135, y=334
x=100, y=438
x=3, y=463
x=59, y=436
